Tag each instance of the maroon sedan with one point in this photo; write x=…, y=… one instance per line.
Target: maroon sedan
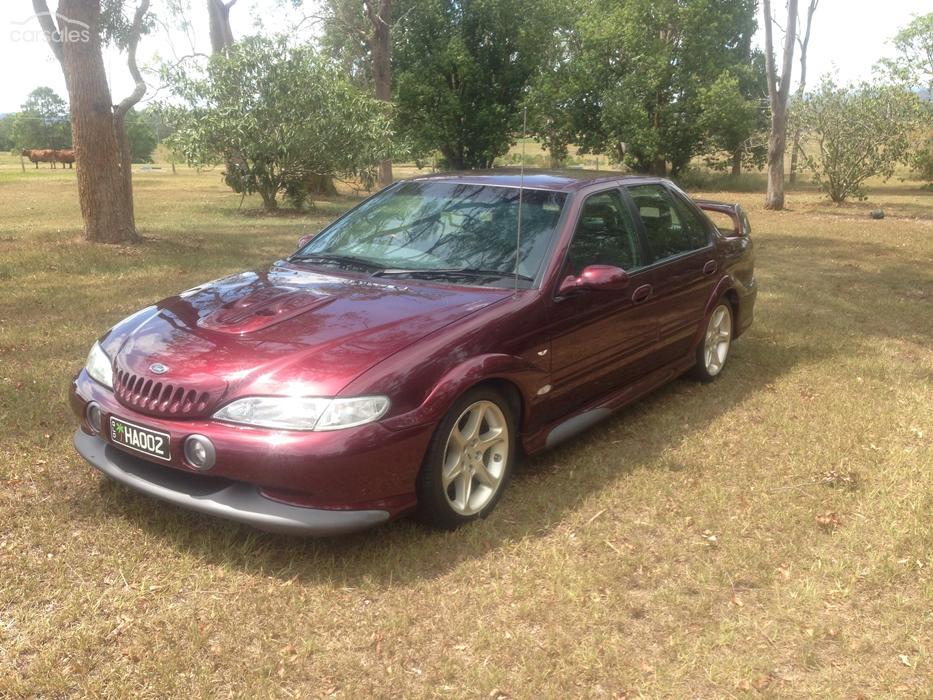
x=404, y=357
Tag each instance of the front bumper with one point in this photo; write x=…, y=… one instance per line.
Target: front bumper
x=217, y=496
x=358, y=469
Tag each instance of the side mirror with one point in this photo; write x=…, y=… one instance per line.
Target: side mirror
x=601, y=277
x=305, y=240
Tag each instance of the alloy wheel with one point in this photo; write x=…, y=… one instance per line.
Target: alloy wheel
x=718, y=340
x=475, y=457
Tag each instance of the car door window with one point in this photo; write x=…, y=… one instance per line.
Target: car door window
x=671, y=228
x=605, y=235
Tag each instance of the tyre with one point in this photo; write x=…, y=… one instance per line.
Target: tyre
x=469, y=460
x=713, y=350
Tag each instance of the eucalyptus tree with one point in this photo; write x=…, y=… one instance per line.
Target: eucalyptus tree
x=359, y=33
x=76, y=33
x=778, y=96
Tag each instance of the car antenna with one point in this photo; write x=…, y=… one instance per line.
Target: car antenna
x=521, y=192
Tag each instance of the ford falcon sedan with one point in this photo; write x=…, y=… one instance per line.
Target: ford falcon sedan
x=405, y=356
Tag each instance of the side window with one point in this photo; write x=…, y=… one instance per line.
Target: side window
x=605, y=235
x=671, y=228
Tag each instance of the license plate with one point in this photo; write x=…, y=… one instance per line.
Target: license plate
x=149, y=442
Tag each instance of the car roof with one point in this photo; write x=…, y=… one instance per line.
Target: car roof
x=558, y=180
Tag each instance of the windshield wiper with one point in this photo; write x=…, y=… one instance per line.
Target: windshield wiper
x=332, y=258
x=449, y=272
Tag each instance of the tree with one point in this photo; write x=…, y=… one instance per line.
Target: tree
x=860, y=131
x=778, y=94
x=912, y=67
x=359, y=33
x=913, y=64
x=803, y=41
x=461, y=71
x=278, y=116
x=141, y=135
x=42, y=123
x=633, y=74
x=732, y=119
x=75, y=34
x=6, y=140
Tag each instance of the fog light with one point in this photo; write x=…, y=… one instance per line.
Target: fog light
x=199, y=452
x=94, y=421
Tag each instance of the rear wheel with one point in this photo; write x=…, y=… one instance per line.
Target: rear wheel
x=468, y=461
x=713, y=350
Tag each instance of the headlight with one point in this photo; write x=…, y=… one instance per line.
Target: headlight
x=304, y=413
x=99, y=367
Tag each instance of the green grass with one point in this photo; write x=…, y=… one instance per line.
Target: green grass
x=766, y=535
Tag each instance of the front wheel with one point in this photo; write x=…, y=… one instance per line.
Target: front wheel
x=468, y=461
x=715, y=345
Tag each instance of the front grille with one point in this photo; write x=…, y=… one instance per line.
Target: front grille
x=160, y=398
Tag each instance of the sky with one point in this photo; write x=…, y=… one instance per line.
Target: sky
x=848, y=38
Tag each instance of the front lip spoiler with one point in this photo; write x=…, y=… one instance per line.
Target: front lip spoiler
x=233, y=500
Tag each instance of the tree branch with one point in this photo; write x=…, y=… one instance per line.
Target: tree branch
x=41, y=9
x=136, y=28
x=769, y=53
x=788, y=60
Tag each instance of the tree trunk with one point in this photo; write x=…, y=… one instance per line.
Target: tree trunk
x=218, y=13
x=737, y=162
x=659, y=167
x=269, y=201
x=321, y=184
x=794, y=149
x=106, y=205
x=777, y=144
x=778, y=92
x=380, y=14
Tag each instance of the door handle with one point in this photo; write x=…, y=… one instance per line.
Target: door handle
x=642, y=293
x=710, y=267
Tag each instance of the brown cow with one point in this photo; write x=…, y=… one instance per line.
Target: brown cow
x=65, y=155
x=40, y=155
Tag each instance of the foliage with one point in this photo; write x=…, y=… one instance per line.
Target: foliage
x=6, y=126
x=42, y=123
x=278, y=116
x=922, y=160
x=733, y=118
x=461, y=71
x=913, y=64
x=346, y=29
x=632, y=74
x=860, y=131
x=142, y=136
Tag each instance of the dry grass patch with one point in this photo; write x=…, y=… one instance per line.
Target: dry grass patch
x=767, y=534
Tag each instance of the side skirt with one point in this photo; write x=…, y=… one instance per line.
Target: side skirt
x=588, y=416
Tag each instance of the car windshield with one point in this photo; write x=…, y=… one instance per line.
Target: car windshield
x=442, y=229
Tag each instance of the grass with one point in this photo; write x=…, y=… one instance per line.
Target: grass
x=766, y=535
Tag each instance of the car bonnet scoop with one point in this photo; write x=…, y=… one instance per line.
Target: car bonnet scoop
x=263, y=308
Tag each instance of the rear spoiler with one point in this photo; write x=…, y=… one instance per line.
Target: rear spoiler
x=740, y=226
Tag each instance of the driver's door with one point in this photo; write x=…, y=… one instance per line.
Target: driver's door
x=601, y=339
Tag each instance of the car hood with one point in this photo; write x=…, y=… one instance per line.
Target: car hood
x=284, y=330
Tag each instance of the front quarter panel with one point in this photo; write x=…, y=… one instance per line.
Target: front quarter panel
x=505, y=342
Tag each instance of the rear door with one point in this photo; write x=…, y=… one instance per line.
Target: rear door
x=683, y=264
x=601, y=339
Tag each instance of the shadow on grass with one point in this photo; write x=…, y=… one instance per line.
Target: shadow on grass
x=540, y=497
